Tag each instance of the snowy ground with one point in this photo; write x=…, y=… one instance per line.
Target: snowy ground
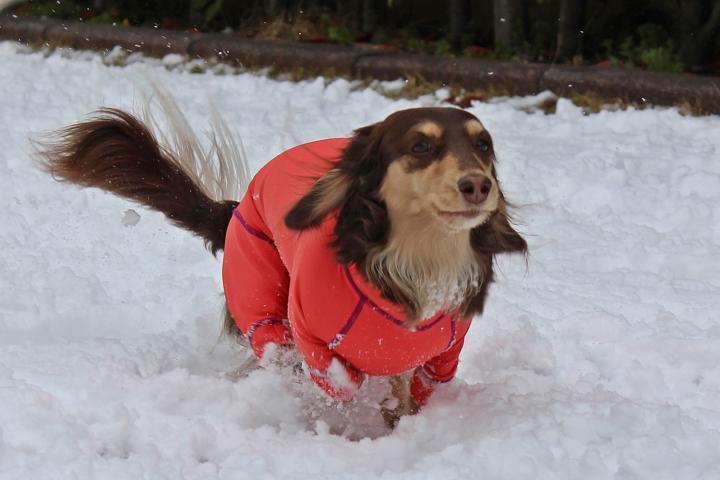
x=599, y=360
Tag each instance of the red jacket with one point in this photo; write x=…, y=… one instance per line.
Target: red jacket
x=284, y=286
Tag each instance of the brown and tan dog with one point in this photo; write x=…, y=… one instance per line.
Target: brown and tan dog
x=424, y=186
x=418, y=206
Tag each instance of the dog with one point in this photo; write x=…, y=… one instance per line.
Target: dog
x=368, y=255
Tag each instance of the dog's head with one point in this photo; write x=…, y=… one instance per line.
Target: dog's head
x=420, y=170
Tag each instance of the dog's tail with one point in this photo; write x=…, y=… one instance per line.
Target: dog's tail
x=117, y=152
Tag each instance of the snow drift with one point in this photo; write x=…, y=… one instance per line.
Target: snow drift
x=600, y=359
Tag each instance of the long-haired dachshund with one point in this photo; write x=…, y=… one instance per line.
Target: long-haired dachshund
x=369, y=255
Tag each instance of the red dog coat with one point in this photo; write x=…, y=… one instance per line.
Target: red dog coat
x=337, y=320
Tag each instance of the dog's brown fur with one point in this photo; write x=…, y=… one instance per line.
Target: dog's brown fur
x=392, y=202
x=393, y=205
x=118, y=153
x=403, y=216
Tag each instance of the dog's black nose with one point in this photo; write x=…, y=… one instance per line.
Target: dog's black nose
x=475, y=188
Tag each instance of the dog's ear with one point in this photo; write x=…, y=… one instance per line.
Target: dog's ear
x=361, y=145
x=497, y=236
x=332, y=190
x=327, y=194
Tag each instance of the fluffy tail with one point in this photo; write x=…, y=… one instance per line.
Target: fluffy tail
x=117, y=152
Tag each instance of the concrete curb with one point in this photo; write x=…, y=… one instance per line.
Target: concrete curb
x=634, y=86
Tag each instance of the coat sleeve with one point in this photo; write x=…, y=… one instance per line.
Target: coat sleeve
x=440, y=369
x=339, y=379
x=256, y=281
x=320, y=305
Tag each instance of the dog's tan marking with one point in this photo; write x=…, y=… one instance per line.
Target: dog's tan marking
x=332, y=189
x=435, y=189
x=474, y=127
x=423, y=258
x=443, y=193
x=431, y=129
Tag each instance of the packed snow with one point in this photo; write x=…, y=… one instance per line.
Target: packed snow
x=598, y=359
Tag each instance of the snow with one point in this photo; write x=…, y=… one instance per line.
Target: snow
x=598, y=359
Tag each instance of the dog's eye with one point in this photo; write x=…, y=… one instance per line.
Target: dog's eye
x=484, y=147
x=421, y=147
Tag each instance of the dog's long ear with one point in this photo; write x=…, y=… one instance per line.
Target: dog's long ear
x=497, y=235
x=327, y=194
x=332, y=190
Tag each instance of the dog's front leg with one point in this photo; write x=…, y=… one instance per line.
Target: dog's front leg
x=400, y=403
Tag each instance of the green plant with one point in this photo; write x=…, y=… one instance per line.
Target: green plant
x=662, y=59
x=416, y=44
x=340, y=34
x=57, y=9
x=442, y=47
x=501, y=52
x=650, y=47
x=209, y=9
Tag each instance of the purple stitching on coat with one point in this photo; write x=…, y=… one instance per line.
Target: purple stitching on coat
x=453, y=333
x=429, y=325
x=385, y=314
x=252, y=230
x=262, y=323
x=348, y=325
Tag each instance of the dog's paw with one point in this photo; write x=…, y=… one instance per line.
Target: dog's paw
x=393, y=410
x=400, y=403
x=280, y=356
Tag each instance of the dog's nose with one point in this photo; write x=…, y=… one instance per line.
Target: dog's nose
x=475, y=188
